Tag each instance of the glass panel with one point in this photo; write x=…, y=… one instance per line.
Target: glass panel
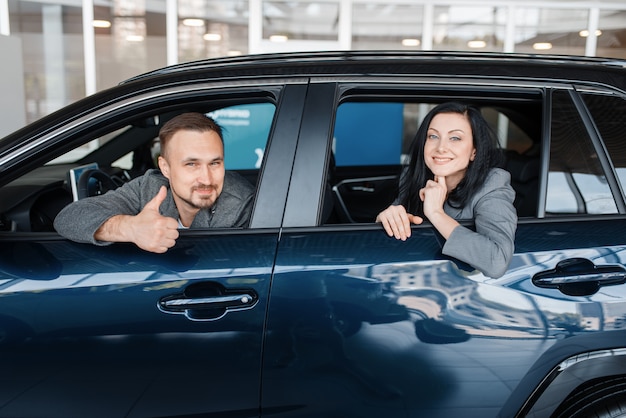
x=246, y=130
x=609, y=113
x=359, y=143
x=550, y=31
x=576, y=182
x=301, y=20
x=469, y=28
x=368, y=157
x=372, y=27
x=612, y=35
x=52, y=44
x=212, y=28
x=130, y=40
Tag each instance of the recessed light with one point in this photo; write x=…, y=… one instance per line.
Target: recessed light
x=212, y=37
x=411, y=42
x=477, y=44
x=279, y=38
x=542, y=45
x=193, y=22
x=101, y=24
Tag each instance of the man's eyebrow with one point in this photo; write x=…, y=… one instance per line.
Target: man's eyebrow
x=200, y=159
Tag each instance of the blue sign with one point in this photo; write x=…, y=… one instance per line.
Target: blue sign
x=246, y=129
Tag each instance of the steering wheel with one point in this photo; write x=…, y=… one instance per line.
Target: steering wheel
x=94, y=182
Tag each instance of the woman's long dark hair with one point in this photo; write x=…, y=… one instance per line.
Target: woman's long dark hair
x=488, y=155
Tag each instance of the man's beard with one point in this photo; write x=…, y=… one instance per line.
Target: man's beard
x=201, y=202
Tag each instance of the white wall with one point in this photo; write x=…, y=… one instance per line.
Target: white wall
x=12, y=105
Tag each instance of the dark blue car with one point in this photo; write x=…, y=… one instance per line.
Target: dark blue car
x=313, y=311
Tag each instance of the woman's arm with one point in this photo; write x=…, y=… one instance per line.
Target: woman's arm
x=489, y=248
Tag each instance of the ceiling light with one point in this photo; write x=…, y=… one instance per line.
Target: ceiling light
x=542, y=46
x=411, y=42
x=585, y=33
x=477, y=44
x=193, y=22
x=134, y=38
x=279, y=38
x=101, y=24
x=213, y=37
x=234, y=53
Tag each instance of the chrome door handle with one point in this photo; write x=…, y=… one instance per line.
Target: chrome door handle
x=207, y=301
x=580, y=276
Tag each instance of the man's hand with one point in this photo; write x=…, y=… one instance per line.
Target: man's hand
x=149, y=230
x=397, y=222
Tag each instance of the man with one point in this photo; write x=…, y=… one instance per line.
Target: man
x=191, y=190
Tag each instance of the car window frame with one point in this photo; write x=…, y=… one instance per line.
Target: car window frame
x=108, y=115
x=381, y=87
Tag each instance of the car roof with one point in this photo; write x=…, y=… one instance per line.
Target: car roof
x=609, y=71
x=430, y=65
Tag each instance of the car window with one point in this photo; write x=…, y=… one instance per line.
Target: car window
x=609, y=114
x=123, y=152
x=371, y=142
x=576, y=181
x=245, y=129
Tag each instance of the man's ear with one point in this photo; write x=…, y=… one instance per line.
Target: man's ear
x=164, y=166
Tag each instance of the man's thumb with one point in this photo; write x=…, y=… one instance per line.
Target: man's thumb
x=156, y=201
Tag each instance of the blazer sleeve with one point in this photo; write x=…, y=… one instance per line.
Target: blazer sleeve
x=490, y=248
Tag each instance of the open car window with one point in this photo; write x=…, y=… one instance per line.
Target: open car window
x=371, y=141
x=31, y=202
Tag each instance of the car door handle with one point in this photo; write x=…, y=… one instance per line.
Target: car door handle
x=207, y=301
x=580, y=277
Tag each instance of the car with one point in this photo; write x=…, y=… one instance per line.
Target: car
x=312, y=310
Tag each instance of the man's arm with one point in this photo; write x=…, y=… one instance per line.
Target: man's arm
x=149, y=230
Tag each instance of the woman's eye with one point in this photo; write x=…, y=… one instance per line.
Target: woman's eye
x=455, y=138
x=432, y=136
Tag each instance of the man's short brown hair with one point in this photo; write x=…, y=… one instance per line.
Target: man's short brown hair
x=191, y=121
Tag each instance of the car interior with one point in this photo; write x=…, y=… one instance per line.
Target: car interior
x=31, y=202
x=362, y=185
x=365, y=162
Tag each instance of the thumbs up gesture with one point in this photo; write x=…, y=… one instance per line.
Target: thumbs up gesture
x=149, y=230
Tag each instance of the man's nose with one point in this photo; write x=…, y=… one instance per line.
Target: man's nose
x=205, y=175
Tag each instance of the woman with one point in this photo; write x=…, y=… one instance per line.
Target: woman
x=458, y=180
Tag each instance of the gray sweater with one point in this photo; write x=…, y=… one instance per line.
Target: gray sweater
x=80, y=220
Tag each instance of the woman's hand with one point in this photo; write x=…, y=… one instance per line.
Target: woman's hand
x=434, y=195
x=397, y=222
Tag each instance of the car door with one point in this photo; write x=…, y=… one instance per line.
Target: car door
x=116, y=331
x=361, y=324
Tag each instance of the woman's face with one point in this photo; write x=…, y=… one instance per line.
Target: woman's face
x=449, y=147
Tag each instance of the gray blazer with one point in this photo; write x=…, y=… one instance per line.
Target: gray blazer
x=80, y=220
x=489, y=248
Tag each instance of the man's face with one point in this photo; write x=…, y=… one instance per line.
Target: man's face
x=194, y=165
